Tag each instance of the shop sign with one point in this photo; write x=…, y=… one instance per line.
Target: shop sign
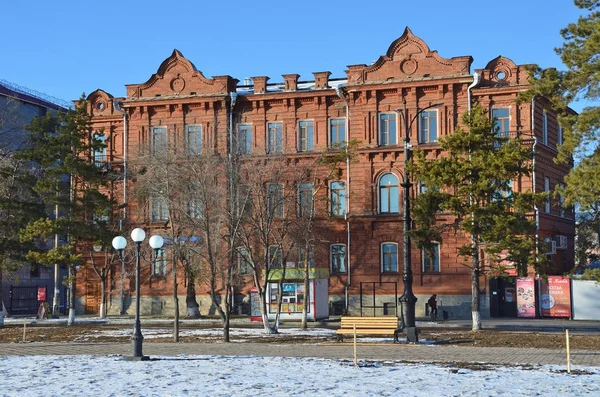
x=525, y=297
x=555, y=298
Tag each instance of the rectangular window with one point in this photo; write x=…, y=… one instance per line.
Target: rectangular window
x=100, y=158
x=501, y=118
x=275, y=200
x=159, y=265
x=195, y=208
x=243, y=201
x=337, y=132
x=547, y=190
x=305, y=136
x=561, y=199
x=159, y=211
x=559, y=138
x=194, y=139
x=302, y=257
x=389, y=257
x=337, y=196
x=431, y=259
x=305, y=199
x=244, y=262
x=244, y=139
x=545, y=129
x=338, y=258
x=428, y=126
x=387, y=129
x=275, y=258
x=159, y=140
x=274, y=138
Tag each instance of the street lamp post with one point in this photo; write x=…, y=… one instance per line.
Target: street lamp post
x=408, y=299
x=119, y=243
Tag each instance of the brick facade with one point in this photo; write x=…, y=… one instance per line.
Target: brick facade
x=179, y=95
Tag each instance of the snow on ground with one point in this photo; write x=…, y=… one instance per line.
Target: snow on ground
x=276, y=377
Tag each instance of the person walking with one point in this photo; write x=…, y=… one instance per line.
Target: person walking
x=432, y=302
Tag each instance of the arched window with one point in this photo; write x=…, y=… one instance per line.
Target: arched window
x=388, y=194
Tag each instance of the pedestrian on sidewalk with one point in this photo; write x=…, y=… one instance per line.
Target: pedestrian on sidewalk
x=432, y=302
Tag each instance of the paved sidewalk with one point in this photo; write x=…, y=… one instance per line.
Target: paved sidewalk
x=368, y=351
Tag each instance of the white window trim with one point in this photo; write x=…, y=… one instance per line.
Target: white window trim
x=439, y=260
x=345, y=190
x=545, y=128
x=312, y=127
x=379, y=211
x=437, y=126
x=153, y=143
x=331, y=258
x=187, y=137
x=239, y=132
x=329, y=124
x=379, y=122
x=547, y=206
x=381, y=257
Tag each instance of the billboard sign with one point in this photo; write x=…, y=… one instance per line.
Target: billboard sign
x=526, y=297
x=555, y=297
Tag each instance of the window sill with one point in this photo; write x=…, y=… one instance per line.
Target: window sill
x=390, y=273
x=337, y=273
x=431, y=272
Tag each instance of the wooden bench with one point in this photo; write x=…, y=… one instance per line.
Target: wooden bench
x=387, y=325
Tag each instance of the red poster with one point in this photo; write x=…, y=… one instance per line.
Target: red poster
x=555, y=299
x=41, y=294
x=525, y=297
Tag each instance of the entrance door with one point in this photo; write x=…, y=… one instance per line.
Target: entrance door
x=503, y=302
x=92, y=298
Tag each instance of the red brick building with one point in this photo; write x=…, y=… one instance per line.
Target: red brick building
x=363, y=267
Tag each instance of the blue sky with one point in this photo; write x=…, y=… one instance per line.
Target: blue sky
x=69, y=47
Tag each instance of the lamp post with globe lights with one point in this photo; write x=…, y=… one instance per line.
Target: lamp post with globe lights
x=408, y=300
x=119, y=243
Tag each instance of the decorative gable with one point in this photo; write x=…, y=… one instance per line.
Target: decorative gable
x=502, y=71
x=178, y=76
x=409, y=57
x=100, y=103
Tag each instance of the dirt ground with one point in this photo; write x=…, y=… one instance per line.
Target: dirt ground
x=13, y=333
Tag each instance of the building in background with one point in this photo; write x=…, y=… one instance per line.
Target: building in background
x=360, y=253
x=23, y=290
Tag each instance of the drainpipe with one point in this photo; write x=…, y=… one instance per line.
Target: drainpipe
x=118, y=109
x=340, y=93
x=233, y=96
x=474, y=242
x=476, y=81
x=533, y=176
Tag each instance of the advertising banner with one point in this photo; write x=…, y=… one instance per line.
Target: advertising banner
x=555, y=297
x=526, y=297
x=255, y=313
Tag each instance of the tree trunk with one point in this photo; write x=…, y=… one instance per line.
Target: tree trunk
x=192, y=306
x=1, y=302
x=103, y=297
x=475, y=287
x=71, y=319
x=175, y=304
x=304, y=322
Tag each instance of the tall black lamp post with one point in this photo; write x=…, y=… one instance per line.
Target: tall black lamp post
x=408, y=299
x=119, y=243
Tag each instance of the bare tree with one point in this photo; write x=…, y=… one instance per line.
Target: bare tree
x=266, y=201
x=163, y=186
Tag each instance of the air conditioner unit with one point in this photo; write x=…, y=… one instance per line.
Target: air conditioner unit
x=290, y=265
x=551, y=246
x=561, y=242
